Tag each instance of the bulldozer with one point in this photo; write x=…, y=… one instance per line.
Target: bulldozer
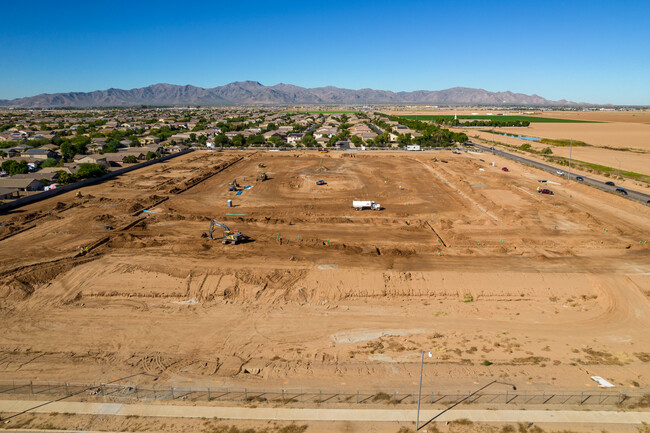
x=262, y=177
x=229, y=236
x=233, y=186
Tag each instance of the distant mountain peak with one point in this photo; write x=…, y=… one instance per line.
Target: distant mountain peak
x=254, y=92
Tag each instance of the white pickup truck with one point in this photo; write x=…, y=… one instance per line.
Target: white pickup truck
x=365, y=204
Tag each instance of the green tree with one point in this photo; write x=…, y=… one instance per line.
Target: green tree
x=67, y=150
x=13, y=167
x=356, y=140
x=238, y=140
x=49, y=162
x=308, y=140
x=130, y=159
x=276, y=141
x=546, y=151
x=87, y=170
x=151, y=155
x=193, y=137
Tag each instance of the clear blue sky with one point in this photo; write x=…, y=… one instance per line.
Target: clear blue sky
x=591, y=51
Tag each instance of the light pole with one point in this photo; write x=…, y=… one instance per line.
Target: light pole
x=417, y=420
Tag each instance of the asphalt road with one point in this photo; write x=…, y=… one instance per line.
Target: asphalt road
x=631, y=194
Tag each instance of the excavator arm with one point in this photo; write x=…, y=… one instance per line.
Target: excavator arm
x=213, y=224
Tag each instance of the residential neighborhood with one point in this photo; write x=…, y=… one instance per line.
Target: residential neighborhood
x=40, y=149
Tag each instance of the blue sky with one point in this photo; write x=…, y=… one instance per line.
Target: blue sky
x=591, y=51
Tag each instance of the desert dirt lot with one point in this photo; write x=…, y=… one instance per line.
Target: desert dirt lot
x=464, y=260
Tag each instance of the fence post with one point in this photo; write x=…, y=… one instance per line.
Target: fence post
x=135, y=388
x=619, y=398
x=544, y=397
x=101, y=388
x=431, y=397
x=208, y=394
x=320, y=395
x=172, y=389
x=581, y=393
x=154, y=393
x=31, y=387
x=67, y=391
x=245, y=394
x=506, y=397
x=357, y=396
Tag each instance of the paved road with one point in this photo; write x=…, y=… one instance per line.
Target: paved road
x=631, y=194
x=320, y=414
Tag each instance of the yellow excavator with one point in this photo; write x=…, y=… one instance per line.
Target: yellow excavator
x=233, y=186
x=229, y=236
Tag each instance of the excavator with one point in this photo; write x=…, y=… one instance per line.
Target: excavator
x=233, y=186
x=229, y=236
x=262, y=177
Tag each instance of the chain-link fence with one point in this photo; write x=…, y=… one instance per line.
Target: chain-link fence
x=121, y=392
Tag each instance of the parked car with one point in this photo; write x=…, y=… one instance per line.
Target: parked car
x=320, y=182
x=504, y=169
x=580, y=178
x=610, y=183
x=560, y=172
x=545, y=191
x=621, y=191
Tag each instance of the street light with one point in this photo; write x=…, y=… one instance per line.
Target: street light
x=417, y=420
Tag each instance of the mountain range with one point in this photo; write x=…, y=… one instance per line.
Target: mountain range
x=252, y=92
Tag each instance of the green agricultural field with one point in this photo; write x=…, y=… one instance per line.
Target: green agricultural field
x=531, y=119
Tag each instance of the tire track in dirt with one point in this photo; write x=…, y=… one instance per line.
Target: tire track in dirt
x=462, y=194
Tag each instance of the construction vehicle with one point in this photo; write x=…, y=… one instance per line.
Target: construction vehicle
x=233, y=186
x=365, y=204
x=229, y=236
x=323, y=150
x=320, y=182
x=262, y=177
x=78, y=194
x=261, y=165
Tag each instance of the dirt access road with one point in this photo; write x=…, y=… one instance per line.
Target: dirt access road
x=465, y=260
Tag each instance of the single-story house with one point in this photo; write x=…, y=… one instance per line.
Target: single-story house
x=40, y=153
x=9, y=193
x=21, y=184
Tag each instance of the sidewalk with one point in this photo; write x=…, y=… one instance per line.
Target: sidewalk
x=353, y=415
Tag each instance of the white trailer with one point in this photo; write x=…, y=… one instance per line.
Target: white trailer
x=413, y=147
x=365, y=204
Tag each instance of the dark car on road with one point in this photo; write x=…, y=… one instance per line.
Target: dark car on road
x=621, y=191
x=580, y=178
x=505, y=169
x=545, y=191
x=610, y=183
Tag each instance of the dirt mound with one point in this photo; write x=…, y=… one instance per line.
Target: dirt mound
x=136, y=207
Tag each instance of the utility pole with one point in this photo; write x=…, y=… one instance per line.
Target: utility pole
x=417, y=420
x=492, y=141
x=568, y=176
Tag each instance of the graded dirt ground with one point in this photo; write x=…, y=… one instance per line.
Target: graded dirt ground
x=464, y=260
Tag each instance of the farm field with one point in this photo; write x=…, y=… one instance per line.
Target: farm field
x=506, y=117
x=464, y=260
x=619, y=135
